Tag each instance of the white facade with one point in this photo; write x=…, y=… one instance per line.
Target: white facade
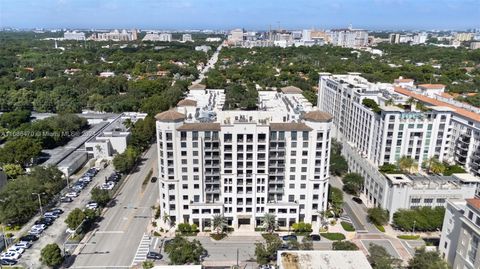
x=243, y=164
x=460, y=239
x=187, y=38
x=165, y=37
x=115, y=35
x=73, y=35
x=349, y=38
x=385, y=135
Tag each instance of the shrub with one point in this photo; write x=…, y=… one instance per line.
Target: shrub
x=187, y=229
x=408, y=237
x=347, y=226
x=380, y=228
x=333, y=236
x=302, y=228
x=156, y=233
x=218, y=237
x=344, y=245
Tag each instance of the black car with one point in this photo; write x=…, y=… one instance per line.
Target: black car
x=153, y=179
x=154, y=255
x=7, y=262
x=357, y=200
x=289, y=237
x=315, y=237
x=46, y=221
x=28, y=238
x=57, y=211
x=66, y=200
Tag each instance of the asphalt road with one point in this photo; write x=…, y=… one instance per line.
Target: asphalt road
x=357, y=212
x=210, y=64
x=115, y=242
x=56, y=232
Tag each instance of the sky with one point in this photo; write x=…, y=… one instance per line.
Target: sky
x=248, y=14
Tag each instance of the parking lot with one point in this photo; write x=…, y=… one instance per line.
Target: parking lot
x=56, y=232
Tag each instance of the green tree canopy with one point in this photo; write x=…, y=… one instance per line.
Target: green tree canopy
x=51, y=255
x=344, y=245
x=75, y=218
x=378, y=216
x=182, y=251
x=353, y=183
x=379, y=258
x=101, y=197
x=427, y=260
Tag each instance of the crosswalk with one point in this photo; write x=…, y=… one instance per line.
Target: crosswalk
x=345, y=218
x=142, y=250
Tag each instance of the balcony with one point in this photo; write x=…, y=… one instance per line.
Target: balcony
x=212, y=190
x=275, y=190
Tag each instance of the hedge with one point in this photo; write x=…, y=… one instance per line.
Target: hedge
x=408, y=237
x=347, y=226
x=333, y=236
x=380, y=228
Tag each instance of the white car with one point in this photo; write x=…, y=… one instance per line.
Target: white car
x=71, y=194
x=16, y=249
x=70, y=231
x=10, y=255
x=23, y=245
x=85, y=179
x=39, y=227
x=50, y=215
x=107, y=186
x=92, y=205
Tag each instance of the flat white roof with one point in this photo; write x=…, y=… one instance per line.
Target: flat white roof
x=319, y=259
x=466, y=177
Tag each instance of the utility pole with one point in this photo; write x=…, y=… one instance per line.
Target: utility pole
x=414, y=222
x=39, y=201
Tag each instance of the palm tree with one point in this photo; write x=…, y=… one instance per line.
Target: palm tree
x=166, y=219
x=411, y=101
x=219, y=223
x=389, y=102
x=269, y=222
x=406, y=164
x=433, y=165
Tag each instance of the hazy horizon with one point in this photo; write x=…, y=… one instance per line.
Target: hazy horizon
x=249, y=14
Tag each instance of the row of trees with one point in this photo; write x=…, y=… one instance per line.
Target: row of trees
x=419, y=219
x=432, y=166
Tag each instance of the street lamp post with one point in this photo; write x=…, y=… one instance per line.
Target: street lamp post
x=39, y=201
x=414, y=222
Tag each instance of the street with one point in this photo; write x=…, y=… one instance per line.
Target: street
x=116, y=240
x=357, y=212
x=210, y=64
x=56, y=232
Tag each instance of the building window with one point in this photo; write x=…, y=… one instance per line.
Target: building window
x=472, y=248
x=470, y=215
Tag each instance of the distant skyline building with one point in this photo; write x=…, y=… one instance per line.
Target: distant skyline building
x=115, y=35
x=165, y=37
x=349, y=37
x=74, y=35
x=187, y=38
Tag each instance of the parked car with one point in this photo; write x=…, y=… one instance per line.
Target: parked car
x=154, y=179
x=16, y=249
x=357, y=200
x=85, y=179
x=154, y=255
x=315, y=237
x=107, y=186
x=11, y=255
x=72, y=194
x=92, y=205
x=6, y=261
x=289, y=237
x=45, y=221
x=28, y=238
x=66, y=199
x=50, y=215
x=57, y=211
x=35, y=232
x=70, y=231
x=39, y=227
x=23, y=244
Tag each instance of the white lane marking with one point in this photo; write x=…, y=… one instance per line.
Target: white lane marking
x=142, y=250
